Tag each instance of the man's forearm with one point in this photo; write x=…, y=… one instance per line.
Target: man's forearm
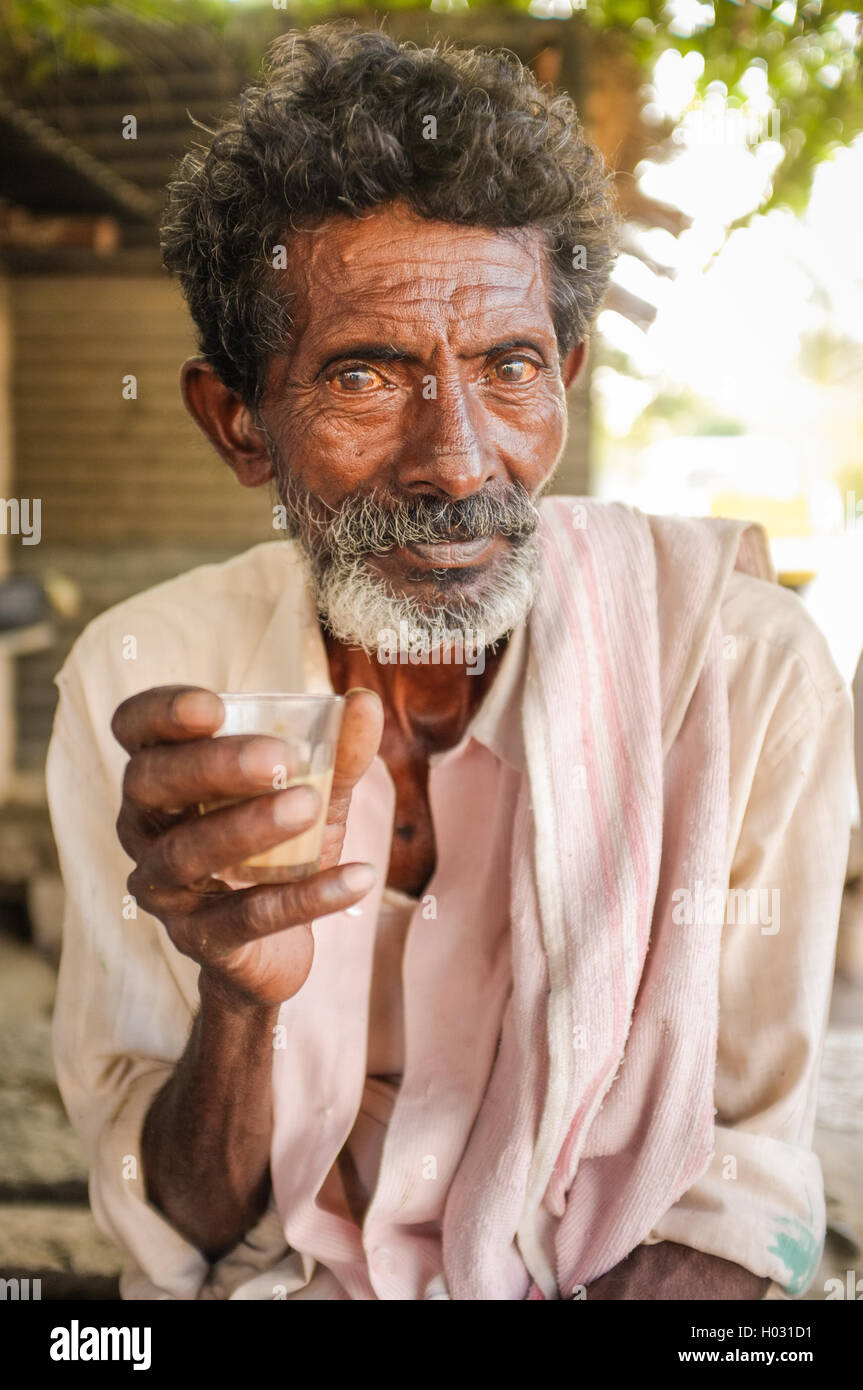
x=206, y=1138
x=670, y=1271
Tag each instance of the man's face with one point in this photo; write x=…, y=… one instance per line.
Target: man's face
x=423, y=393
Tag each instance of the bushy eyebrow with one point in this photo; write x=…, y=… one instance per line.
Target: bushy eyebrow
x=381, y=352
x=370, y=352
x=510, y=343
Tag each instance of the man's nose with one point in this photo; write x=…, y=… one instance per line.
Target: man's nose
x=448, y=448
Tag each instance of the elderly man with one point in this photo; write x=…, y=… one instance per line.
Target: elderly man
x=509, y=1041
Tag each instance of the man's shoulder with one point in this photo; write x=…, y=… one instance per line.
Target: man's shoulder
x=201, y=611
x=781, y=672
x=776, y=653
x=766, y=614
x=258, y=574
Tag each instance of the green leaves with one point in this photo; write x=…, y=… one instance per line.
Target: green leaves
x=810, y=52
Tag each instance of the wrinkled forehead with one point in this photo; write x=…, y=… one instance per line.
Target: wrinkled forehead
x=398, y=273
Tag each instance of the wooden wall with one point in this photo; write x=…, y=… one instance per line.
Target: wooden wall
x=7, y=668
x=131, y=493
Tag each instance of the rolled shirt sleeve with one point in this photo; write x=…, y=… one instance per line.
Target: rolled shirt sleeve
x=760, y=1203
x=125, y=1002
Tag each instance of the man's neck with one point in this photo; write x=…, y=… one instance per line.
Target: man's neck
x=430, y=704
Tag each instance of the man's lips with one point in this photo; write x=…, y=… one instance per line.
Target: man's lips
x=449, y=554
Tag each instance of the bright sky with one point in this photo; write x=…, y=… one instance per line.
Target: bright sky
x=731, y=329
x=729, y=325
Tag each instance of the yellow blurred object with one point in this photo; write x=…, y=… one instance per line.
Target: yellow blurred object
x=781, y=517
x=64, y=595
x=795, y=579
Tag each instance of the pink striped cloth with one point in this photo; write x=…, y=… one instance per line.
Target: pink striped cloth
x=598, y=1114
x=626, y=733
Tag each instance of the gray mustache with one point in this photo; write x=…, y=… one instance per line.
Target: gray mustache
x=363, y=525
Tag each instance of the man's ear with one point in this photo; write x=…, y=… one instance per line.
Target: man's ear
x=226, y=421
x=573, y=363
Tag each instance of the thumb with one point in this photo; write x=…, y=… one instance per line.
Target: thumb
x=359, y=740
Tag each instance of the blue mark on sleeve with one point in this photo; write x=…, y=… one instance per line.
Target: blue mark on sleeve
x=799, y=1251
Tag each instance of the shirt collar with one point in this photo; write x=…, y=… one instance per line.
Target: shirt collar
x=294, y=626
x=496, y=723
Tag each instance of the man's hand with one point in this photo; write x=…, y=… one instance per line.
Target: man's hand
x=205, y=1142
x=669, y=1271
x=255, y=945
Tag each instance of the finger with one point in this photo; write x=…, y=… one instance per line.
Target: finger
x=200, y=846
x=166, y=714
x=171, y=777
x=166, y=901
x=136, y=829
x=235, y=919
x=359, y=740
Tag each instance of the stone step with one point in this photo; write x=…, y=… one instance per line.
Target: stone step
x=38, y=1239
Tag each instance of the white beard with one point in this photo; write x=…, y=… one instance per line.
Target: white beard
x=357, y=606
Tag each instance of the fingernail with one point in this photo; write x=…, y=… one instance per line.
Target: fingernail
x=296, y=805
x=359, y=878
x=263, y=759
x=197, y=710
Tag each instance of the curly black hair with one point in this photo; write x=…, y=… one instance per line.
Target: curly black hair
x=340, y=123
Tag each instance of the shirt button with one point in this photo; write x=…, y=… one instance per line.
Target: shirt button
x=382, y=1260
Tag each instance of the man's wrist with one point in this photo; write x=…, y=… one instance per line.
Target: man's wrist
x=219, y=998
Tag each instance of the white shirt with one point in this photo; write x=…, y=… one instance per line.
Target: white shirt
x=126, y=997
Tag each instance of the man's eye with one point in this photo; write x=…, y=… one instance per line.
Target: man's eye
x=516, y=371
x=358, y=379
